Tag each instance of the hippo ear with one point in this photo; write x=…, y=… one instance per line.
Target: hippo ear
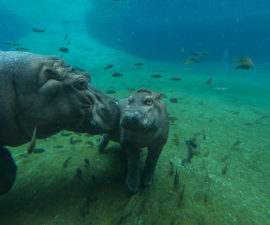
x=158, y=97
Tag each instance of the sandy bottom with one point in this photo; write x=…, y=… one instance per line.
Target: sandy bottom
x=227, y=181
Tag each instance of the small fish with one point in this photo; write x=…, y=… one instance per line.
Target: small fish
x=33, y=141
x=195, y=59
x=79, y=172
x=67, y=162
x=37, y=30
x=58, y=146
x=63, y=49
x=236, y=143
x=11, y=43
x=117, y=74
x=110, y=91
x=187, y=61
x=1, y=25
x=87, y=163
x=245, y=63
x=68, y=43
x=195, y=53
x=192, y=143
x=66, y=37
x=176, y=78
x=205, y=53
x=209, y=81
x=22, y=49
x=176, y=178
x=156, y=76
x=138, y=64
x=39, y=150
x=64, y=133
x=108, y=66
x=189, y=151
x=73, y=141
x=173, y=100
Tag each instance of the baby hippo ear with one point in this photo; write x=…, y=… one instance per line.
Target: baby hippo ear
x=158, y=97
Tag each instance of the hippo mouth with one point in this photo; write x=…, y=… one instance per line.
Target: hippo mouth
x=134, y=121
x=104, y=117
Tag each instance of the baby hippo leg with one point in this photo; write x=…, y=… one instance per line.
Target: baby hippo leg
x=133, y=166
x=150, y=164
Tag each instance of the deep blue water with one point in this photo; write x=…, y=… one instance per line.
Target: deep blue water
x=170, y=29
x=12, y=28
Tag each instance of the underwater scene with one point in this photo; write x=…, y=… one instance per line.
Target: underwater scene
x=181, y=88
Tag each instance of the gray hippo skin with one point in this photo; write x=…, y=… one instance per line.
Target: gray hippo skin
x=143, y=123
x=44, y=92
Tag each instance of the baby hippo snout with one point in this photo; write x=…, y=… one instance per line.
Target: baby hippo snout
x=133, y=120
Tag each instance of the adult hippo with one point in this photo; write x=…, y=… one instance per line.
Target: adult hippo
x=45, y=92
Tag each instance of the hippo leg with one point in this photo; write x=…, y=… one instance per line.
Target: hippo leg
x=133, y=167
x=150, y=164
x=8, y=171
x=103, y=142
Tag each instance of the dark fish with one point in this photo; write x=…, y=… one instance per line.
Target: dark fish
x=73, y=141
x=192, y=143
x=138, y=64
x=38, y=150
x=173, y=100
x=79, y=172
x=58, y=146
x=209, y=81
x=176, y=78
x=117, y=74
x=67, y=162
x=32, y=142
x=37, y=30
x=110, y=91
x=63, y=49
x=156, y=76
x=236, y=143
x=131, y=89
x=195, y=53
x=176, y=178
x=224, y=169
x=22, y=49
x=68, y=43
x=64, y=133
x=187, y=61
x=66, y=37
x=205, y=53
x=11, y=43
x=87, y=163
x=195, y=59
x=189, y=151
x=108, y=67
x=171, y=171
x=245, y=63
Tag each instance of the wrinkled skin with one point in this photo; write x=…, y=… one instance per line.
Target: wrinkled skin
x=44, y=91
x=143, y=123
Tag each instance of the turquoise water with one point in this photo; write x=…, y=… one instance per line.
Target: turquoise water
x=228, y=179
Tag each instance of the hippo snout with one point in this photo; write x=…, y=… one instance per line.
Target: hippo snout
x=133, y=120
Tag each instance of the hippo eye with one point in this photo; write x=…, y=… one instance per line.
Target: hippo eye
x=148, y=101
x=130, y=100
x=80, y=84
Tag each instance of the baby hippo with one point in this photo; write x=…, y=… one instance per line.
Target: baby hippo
x=143, y=122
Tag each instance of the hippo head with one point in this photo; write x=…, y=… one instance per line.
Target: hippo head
x=52, y=96
x=143, y=111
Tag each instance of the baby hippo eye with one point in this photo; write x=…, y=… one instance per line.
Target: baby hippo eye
x=80, y=84
x=148, y=101
x=130, y=100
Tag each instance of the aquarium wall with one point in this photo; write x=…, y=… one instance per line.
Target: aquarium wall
x=170, y=29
